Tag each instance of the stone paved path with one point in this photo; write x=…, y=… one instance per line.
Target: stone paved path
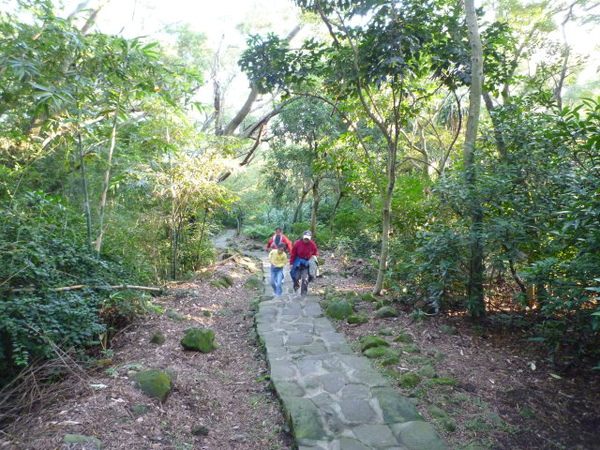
x=333, y=398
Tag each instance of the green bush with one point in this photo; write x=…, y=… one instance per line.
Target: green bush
x=32, y=325
x=35, y=315
x=432, y=270
x=259, y=232
x=297, y=229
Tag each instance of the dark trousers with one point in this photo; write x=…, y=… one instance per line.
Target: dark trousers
x=301, y=280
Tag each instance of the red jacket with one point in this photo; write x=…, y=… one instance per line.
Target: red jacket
x=284, y=239
x=303, y=250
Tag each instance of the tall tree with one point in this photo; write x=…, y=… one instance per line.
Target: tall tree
x=311, y=127
x=382, y=65
x=475, y=290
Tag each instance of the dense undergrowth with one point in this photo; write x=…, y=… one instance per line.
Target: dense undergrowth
x=58, y=295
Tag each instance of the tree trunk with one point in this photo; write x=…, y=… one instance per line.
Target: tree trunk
x=315, y=207
x=109, y=157
x=299, y=206
x=252, y=96
x=334, y=212
x=386, y=215
x=86, y=201
x=475, y=292
x=84, y=181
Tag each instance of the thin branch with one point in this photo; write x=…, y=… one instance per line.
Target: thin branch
x=86, y=286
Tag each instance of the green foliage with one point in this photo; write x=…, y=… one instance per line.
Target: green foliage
x=37, y=258
x=278, y=217
x=339, y=309
x=259, y=232
x=65, y=92
x=270, y=64
x=154, y=383
x=431, y=269
x=33, y=325
x=183, y=198
x=96, y=124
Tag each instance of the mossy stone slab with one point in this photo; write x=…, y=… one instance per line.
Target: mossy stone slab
x=154, y=383
x=339, y=309
x=386, y=312
x=199, y=339
x=370, y=341
x=418, y=435
x=81, y=439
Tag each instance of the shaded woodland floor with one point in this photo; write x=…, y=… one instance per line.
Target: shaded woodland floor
x=507, y=394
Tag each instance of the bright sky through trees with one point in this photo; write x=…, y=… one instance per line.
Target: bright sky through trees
x=132, y=18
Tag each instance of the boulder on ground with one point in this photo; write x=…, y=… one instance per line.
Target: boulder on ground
x=369, y=297
x=386, y=311
x=409, y=380
x=154, y=383
x=370, y=341
x=158, y=338
x=339, y=309
x=376, y=352
x=357, y=319
x=86, y=441
x=199, y=339
x=224, y=280
x=254, y=283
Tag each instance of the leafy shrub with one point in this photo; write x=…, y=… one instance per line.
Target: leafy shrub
x=432, y=272
x=259, y=232
x=297, y=229
x=278, y=217
x=357, y=245
x=44, y=305
x=33, y=324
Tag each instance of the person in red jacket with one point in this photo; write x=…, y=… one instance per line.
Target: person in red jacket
x=277, y=238
x=302, y=252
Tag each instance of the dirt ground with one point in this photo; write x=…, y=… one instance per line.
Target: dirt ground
x=506, y=395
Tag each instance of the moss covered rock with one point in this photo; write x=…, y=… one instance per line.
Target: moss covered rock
x=227, y=279
x=158, y=338
x=370, y=341
x=404, y=338
x=254, y=283
x=411, y=349
x=224, y=280
x=354, y=319
x=386, y=311
x=87, y=441
x=390, y=360
x=154, y=383
x=199, y=339
x=172, y=314
x=339, y=309
x=427, y=371
x=409, y=379
x=368, y=297
x=376, y=352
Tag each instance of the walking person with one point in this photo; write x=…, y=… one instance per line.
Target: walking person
x=303, y=261
x=277, y=238
x=278, y=258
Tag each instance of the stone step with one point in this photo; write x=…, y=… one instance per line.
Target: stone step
x=333, y=398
